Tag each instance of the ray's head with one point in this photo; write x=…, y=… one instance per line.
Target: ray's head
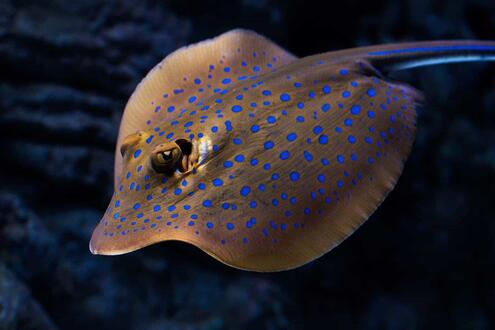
x=152, y=166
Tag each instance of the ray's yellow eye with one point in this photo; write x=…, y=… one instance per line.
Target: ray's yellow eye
x=169, y=157
x=166, y=160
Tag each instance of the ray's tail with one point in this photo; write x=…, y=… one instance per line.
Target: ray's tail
x=395, y=57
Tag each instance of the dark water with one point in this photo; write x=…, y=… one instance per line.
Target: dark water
x=424, y=260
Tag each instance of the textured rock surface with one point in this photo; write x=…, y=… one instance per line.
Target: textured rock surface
x=424, y=260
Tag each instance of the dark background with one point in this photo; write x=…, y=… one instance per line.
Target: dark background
x=424, y=260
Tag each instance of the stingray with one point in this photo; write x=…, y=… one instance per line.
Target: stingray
x=263, y=160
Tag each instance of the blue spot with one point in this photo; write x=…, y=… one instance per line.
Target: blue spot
x=291, y=137
x=308, y=156
x=217, y=182
x=317, y=130
x=341, y=159
x=325, y=107
x=294, y=176
x=275, y=202
x=344, y=72
x=269, y=145
x=327, y=89
x=245, y=191
x=321, y=178
x=253, y=204
x=371, y=114
x=239, y=158
x=271, y=119
x=325, y=162
x=275, y=176
x=284, y=155
x=178, y=191
x=228, y=125
x=346, y=94
x=225, y=206
x=236, y=108
x=226, y=81
x=171, y=208
x=210, y=225
x=261, y=187
x=137, y=153
x=214, y=129
x=255, y=128
x=201, y=186
x=254, y=162
x=191, y=223
x=351, y=139
x=323, y=139
x=297, y=84
x=157, y=208
x=371, y=92
x=207, y=203
x=300, y=119
x=230, y=226
x=226, y=69
x=312, y=94
x=197, y=81
x=285, y=97
x=228, y=164
x=237, y=141
x=136, y=206
x=192, y=99
x=356, y=109
x=300, y=105
x=267, y=92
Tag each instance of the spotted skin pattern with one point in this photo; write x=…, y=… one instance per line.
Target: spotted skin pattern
x=296, y=155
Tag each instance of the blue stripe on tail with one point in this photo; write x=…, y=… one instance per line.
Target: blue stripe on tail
x=453, y=48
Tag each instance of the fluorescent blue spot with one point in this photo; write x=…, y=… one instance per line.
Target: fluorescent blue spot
x=228, y=164
x=325, y=107
x=230, y=226
x=275, y=202
x=351, y=139
x=344, y=72
x=308, y=156
x=178, y=191
x=356, y=109
x=267, y=92
x=271, y=119
x=136, y=206
x=300, y=119
x=346, y=94
x=275, y=176
x=371, y=92
x=137, y=153
x=237, y=141
x=171, y=208
x=297, y=85
x=226, y=81
x=317, y=130
x=341, y=159
x=284, y=155
x=255, y=128
x=285, y=97
x=197, y=81
x=245, y=191
x=217, y=182
x=210, y=225
x=192, y=99
x=327, y=89
x=269, y=145
x=226, y=69
x=321, y=178
x=300, y=105
x=254, y=162
x=214, y=129
x=323, y=139
x=236, y=108
x=157, y=208
x=207, y=203
x=371, y=114
x=201, y=186
x=253, y=204
x=228, y=125
x=239, y=158
x=191, y=223
x=294, y=176
x=325, y=162
x=291, y=137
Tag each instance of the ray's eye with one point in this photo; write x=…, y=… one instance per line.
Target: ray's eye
x=167, y=158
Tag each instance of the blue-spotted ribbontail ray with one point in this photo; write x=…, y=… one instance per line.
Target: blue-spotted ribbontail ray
x=263, y=160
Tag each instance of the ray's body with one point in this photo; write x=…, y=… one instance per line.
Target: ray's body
x=279, y=158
